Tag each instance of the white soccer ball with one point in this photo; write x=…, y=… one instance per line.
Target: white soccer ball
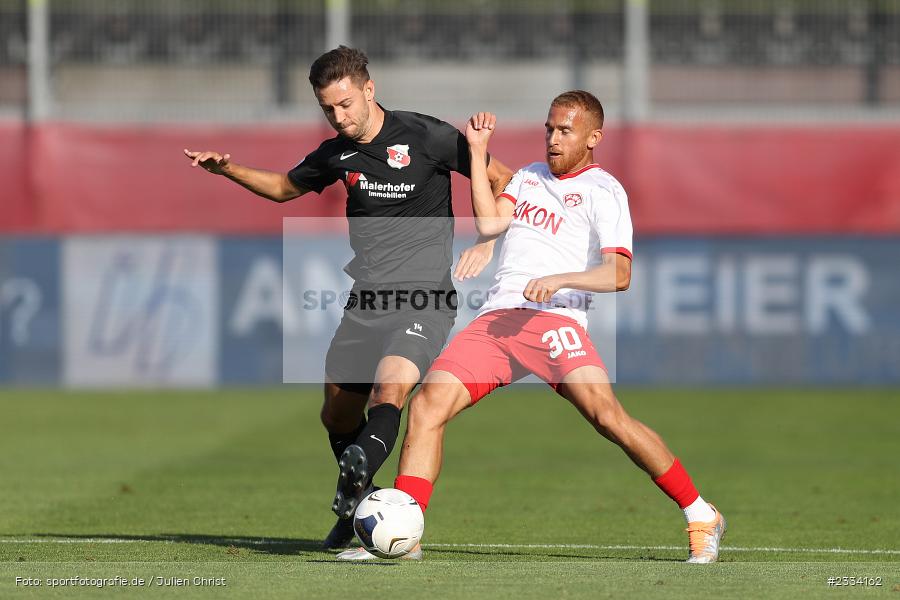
x=389, y=523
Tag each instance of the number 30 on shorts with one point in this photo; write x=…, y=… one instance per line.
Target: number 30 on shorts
x=564, y=338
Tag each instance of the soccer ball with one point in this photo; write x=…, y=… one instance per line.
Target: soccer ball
x=389, y=523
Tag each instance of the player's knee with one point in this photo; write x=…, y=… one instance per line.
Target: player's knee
x=389, y=393
x=427, y=410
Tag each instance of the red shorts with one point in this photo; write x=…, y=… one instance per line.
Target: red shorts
x=505, y=345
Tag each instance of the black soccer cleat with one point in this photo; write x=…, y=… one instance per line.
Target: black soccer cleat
x=340, y=535
x=353, y=480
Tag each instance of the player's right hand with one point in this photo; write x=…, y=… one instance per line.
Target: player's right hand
x=211, y=161
x=473, y=260
x=480, y=127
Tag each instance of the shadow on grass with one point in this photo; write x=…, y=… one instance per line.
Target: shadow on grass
x=267, y=545
x=362, y=563
x=532, y=554
x=294, y=546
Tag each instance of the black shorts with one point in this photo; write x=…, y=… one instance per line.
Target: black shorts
x=359, y=344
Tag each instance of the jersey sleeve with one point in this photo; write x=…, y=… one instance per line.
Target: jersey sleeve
x=612, y=221
x=511, y=191
x=312, y=173
x=449, y=147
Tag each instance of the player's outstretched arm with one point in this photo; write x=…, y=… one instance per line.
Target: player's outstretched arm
x=268, y=184
x=612, y=275
x=491, y=217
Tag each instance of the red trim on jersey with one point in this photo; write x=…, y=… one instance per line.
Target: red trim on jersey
x=579, y=171
x=619, y=250
x=508, y=197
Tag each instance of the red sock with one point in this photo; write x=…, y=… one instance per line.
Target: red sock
x=677, y=485
x=420, y=489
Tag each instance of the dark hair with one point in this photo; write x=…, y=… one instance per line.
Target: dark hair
x=586, y=101
x=336, y=64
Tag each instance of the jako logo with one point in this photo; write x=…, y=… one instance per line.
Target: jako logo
x=572, y=200
x=539, y=217
x=398, y=156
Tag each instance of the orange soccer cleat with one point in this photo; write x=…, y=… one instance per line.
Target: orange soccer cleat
x=704, y=539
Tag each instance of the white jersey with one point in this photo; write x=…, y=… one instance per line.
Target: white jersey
x=560, y=225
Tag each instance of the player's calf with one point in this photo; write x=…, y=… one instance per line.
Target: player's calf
x=379, y=435
x=441, y=398
x=395, y=379
x=342, y=416
x=588, y=391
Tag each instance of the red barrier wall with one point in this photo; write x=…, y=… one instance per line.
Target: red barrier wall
x=16, y=203
x=85, y=178
x=774, y=180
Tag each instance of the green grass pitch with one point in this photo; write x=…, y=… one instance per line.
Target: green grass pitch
x=532, y=503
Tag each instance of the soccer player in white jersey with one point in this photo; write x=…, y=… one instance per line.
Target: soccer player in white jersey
x=568, y=235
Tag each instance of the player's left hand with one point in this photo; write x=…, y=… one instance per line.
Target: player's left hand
x=480, y=127
x=473, y=260
x=543, y=288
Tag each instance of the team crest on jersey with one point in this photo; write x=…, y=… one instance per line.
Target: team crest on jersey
x=572, y=200
x=398, y=156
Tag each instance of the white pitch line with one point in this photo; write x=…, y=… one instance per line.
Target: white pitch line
x=630, y=547
x=81, y=541
x=265, y=542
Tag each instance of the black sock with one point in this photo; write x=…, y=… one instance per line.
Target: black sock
x=379, y=435
x=340, y=441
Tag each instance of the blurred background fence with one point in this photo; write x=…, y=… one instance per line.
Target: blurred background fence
x=140, y=60
x=759, y=141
